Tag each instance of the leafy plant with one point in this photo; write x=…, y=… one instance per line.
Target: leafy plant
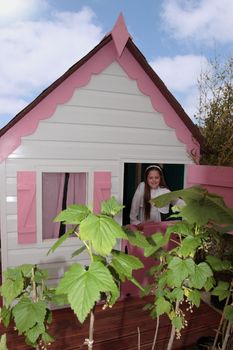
x=26, y=302
x=178, y=277
x=97, y=234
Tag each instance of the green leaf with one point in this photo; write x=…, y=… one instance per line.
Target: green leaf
x=228, y=313
x=195, y=297
x=27, y=314
x=102, y=231
x=79, y=251
x=47, y=338
x=181, y=227
x=136, y=238
x=3, y=345
x=156, y=241
x=218, y=264
x=12, y=288
x=181, y=269
x=201, y=206
x=162, y=306
x=41, y=275
x=189, y=245
x=209, y=283
x=124, y=264
x=177, y=322
x=111, y=207
x=221, y=290
x=6, y=315
x=83, y=287
x=176, y=294
x=200, y=275
x=26, y=269
x=60, y=241
x=74, y=214
x=34, y=333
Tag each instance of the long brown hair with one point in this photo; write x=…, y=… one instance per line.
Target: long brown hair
x=147, y=193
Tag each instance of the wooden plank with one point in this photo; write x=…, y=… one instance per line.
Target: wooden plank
x=116, y=328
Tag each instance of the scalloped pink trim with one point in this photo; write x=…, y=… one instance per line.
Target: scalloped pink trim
x=159, y=102
x=95, y=65
x=45, y=109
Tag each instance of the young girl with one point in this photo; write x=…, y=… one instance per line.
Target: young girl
x=153, y=186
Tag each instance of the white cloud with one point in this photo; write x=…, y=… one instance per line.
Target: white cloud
x=180, y=74
x=205, y=20
x=36, y=52
x=15, y=10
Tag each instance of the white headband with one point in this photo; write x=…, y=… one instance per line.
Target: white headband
x=154, y=166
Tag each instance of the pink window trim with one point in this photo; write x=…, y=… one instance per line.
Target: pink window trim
x=26, y=207
x=102, y=189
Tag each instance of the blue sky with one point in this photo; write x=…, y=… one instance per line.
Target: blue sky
x=41, y=39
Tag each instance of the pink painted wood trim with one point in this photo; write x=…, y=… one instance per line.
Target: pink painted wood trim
x=45, y=109
x=160, y=104
x=215, y=179
x=26, y=206
x=102, y=189
x=95, y=65
x=120, y=35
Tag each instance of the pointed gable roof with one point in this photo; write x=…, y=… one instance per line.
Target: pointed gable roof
x=122, y=41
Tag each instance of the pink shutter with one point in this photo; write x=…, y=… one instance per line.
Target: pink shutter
x=26, y=206
x=102, y=188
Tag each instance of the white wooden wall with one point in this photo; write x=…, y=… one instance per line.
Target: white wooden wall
x=104, y=124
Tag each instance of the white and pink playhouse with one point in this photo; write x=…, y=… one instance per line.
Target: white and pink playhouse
x=84, y=139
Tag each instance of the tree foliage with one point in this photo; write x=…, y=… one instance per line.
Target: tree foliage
x=215, y=112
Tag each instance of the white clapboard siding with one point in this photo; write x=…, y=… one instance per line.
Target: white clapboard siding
x=60, y=150
x=104, y=117
x=105, y=123
x=104, y=134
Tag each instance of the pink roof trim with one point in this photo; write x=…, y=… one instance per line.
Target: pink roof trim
x=120, y=35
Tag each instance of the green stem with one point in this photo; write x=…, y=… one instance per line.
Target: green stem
x=34, y=290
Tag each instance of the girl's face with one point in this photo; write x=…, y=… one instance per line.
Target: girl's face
x=153, y=179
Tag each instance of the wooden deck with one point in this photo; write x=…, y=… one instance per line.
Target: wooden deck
x=116, y=329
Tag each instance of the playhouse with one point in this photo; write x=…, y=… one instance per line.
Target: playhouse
x=82, y=140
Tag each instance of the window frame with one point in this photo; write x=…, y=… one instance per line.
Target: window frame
x=39, y=211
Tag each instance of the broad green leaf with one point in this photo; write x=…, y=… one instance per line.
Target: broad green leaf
x=111, y=207
x=79, y=251
x=12, y=273
x=102, y=231
x=11, y=289
x=218, y=264
x=137, y=284
x=6, y=314
x=201, y=206
x=47, y=338
x=60, y=241
x=162, y=306
x=181, y=227
x=27, y=314
x=177, y=322
x=177, y=294
x=34, y=333
x=74, y=214
x=3, y=345
x=195, y=297
x=41, y=275
x=26, y=269
x=200, y=275
x=189, y=245
x=181, y=268
x=228, y=313
x=136, y=238
x=156, y=241
x=83, y=287
x=221, y=290
x=124, y=264
x=209, y=283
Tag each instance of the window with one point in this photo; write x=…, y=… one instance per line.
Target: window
x=59, y=190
